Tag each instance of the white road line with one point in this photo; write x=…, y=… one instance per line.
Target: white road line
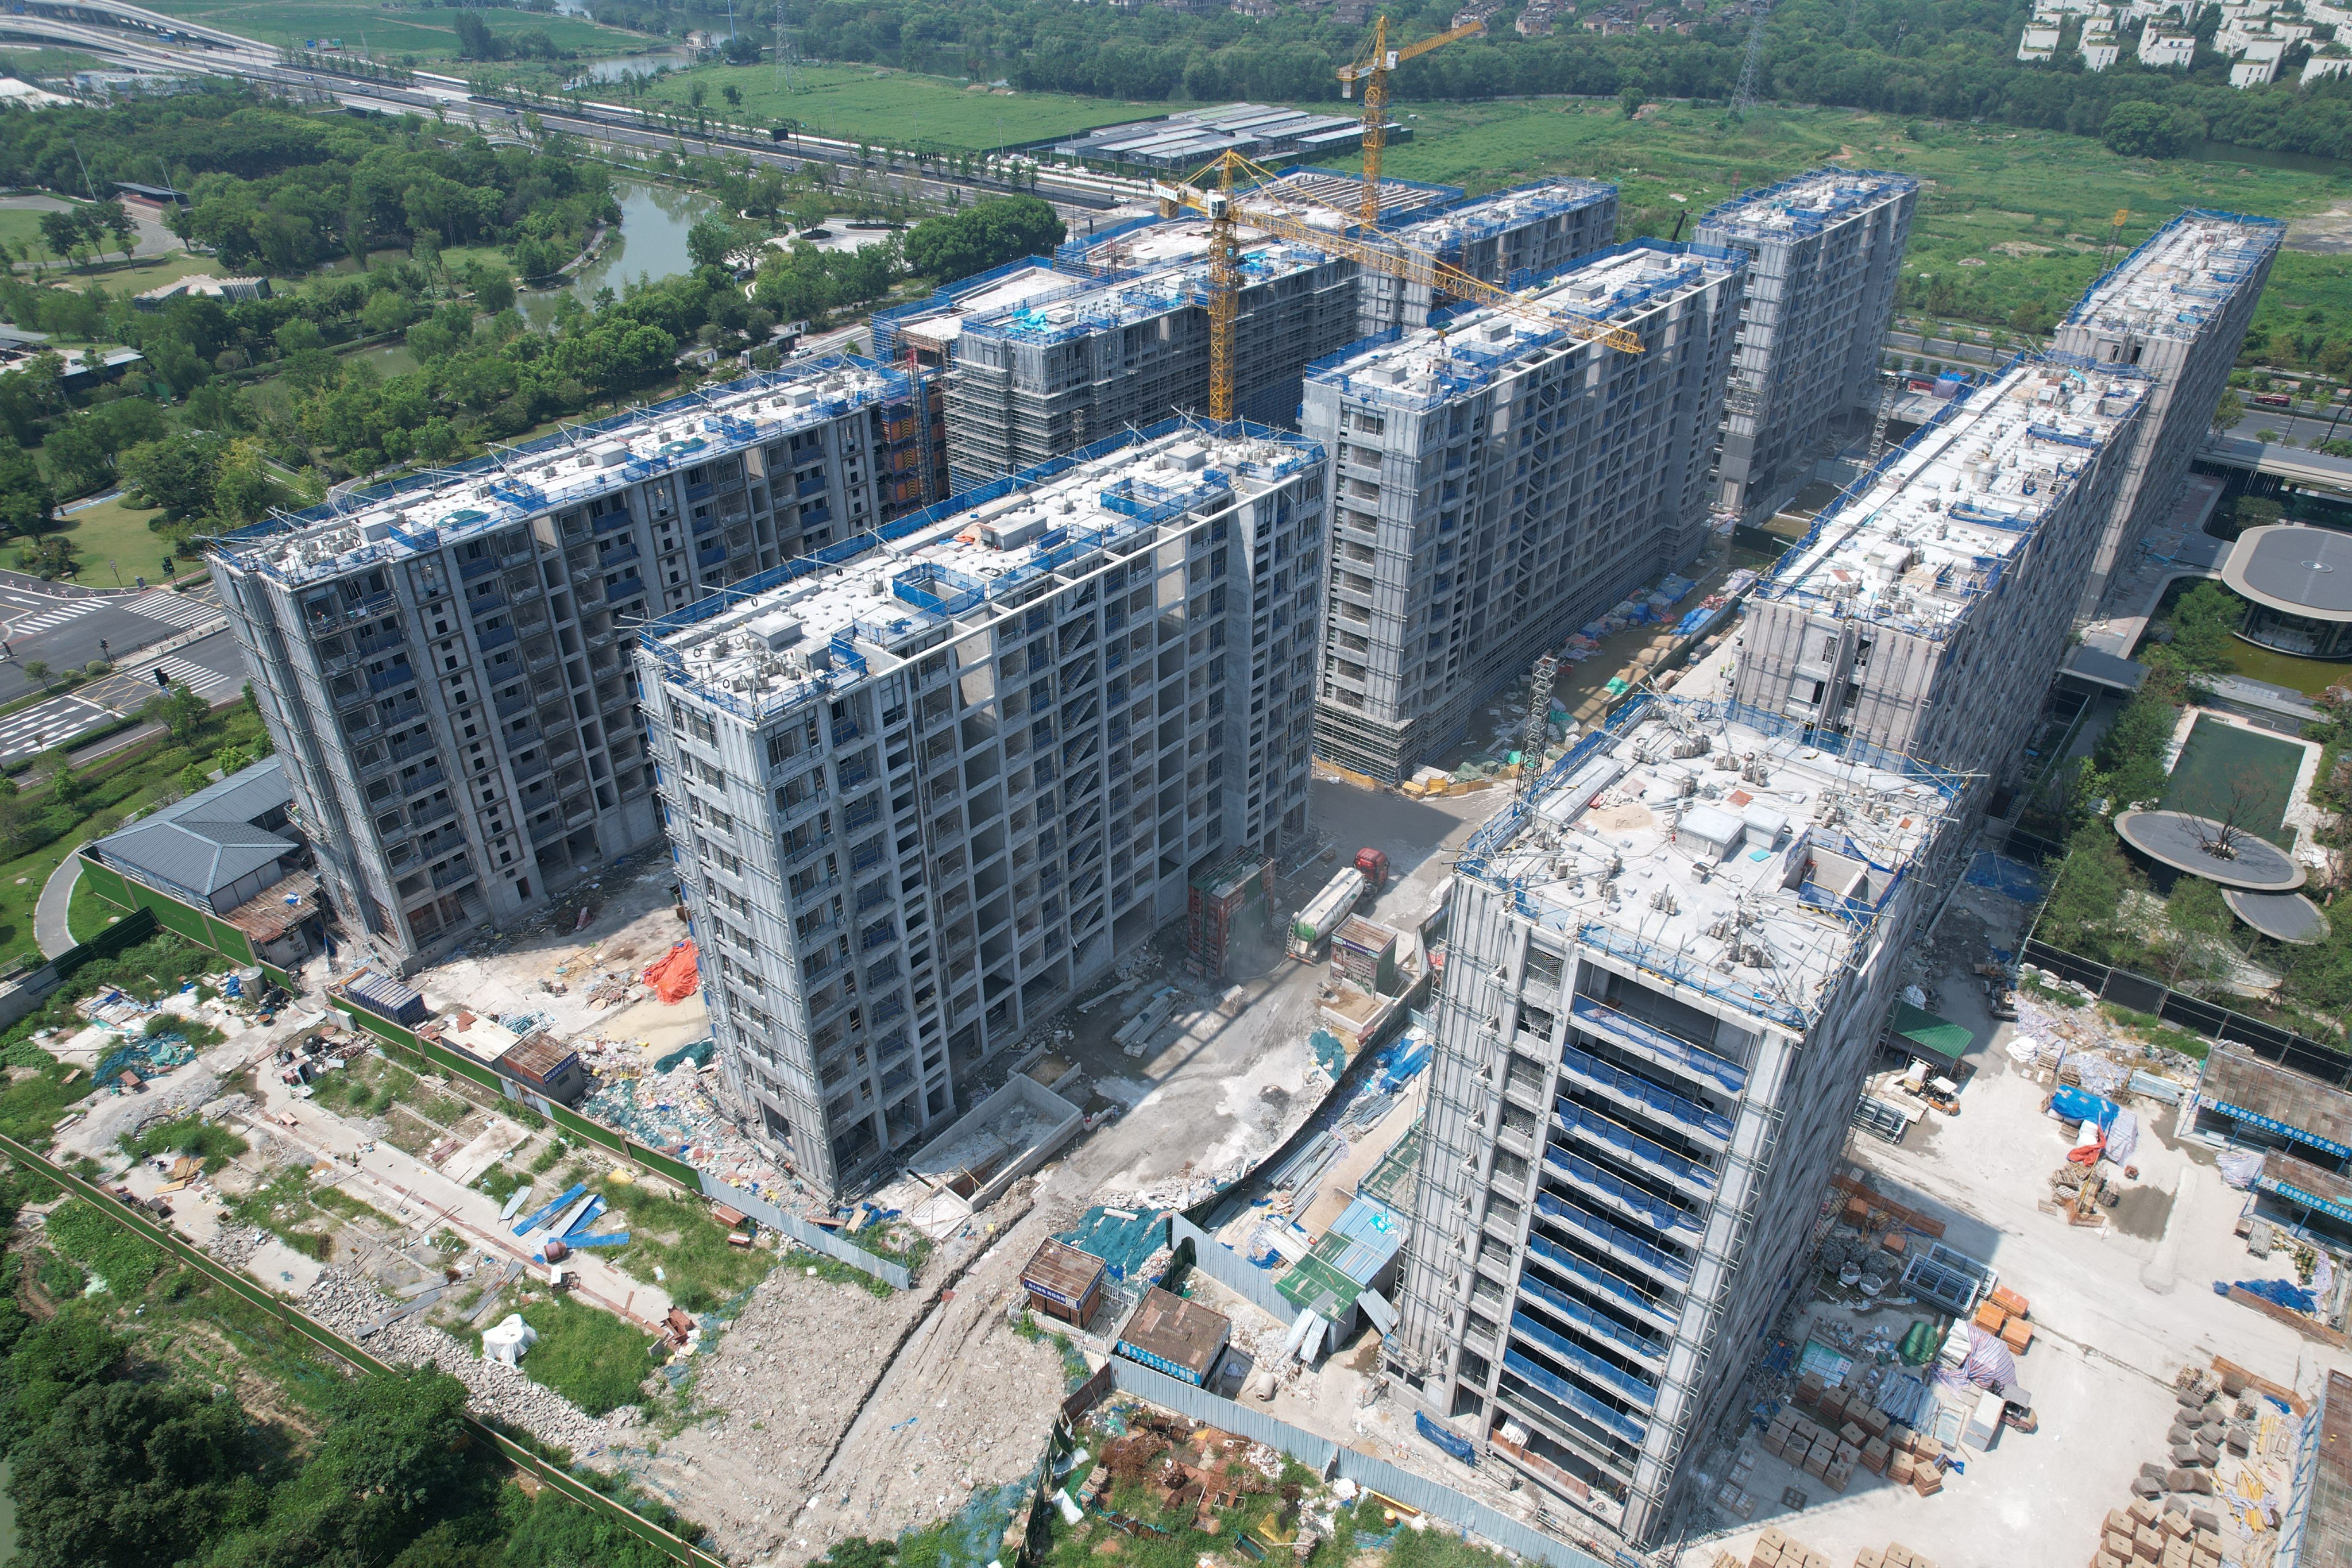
x=43, y=620
x=182, y=610
x=47, y=724
x=202, y=681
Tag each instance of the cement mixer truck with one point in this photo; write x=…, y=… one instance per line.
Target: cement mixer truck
x=1312, y=927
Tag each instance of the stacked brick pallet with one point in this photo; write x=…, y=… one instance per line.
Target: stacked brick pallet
x=2147, y=1536
x=1819, y=1434
x=2003, y=1313
x=1776, y=1550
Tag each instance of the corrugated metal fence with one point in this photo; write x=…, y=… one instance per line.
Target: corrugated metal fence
x=1230, y=1270
x=1330, y=1458
x=816, y=1238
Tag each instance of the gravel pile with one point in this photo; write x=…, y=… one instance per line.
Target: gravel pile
x=348, y=1304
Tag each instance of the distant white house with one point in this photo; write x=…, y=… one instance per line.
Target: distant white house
x=2040, y=42
x=229, y=291
x=2252, y=72
x=2326, y=65
x=2160, y=49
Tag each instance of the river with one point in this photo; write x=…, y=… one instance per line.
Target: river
x=650, y=242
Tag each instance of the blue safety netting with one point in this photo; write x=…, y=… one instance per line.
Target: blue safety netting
x=2010, y=878
x=2278, y=1292
x=1122, y=1238
x=1599, y=1324
x=1616, y=1379
x=1575, y=1398
x=1665, y=1103
x=1631, y=1146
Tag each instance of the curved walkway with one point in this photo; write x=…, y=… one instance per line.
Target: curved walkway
x=50, y=928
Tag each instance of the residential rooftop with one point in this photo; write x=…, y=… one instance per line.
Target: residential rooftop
x=1469, y=348
x=1935, y=528
x=1746, y=866
x=2172, y=283
x=1806, y=204
x=433, y=507
x=971, y=560
x=1162, y=284
x=1451, y=226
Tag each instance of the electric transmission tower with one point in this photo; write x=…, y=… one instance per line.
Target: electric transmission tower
x=1753, y=66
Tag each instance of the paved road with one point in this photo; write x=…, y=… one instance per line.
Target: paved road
x=2300, y=429
x=212, y=666
x=154, y=239
x=69, y=632
x=49, y=929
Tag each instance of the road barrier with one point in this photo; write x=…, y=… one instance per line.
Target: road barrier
x=546, y=1471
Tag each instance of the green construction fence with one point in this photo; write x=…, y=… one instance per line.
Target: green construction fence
x=200, y=926
x=301, y=1322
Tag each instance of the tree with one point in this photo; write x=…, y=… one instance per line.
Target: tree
x=986, y=233
x=62, y=232
x=128, y=1475
x=2196, y=946
x=493, y=287
x=178, y=709
x=2228, y=411
x=2253, y=511
x=2091, y=888
x=177, y=474
x=2204, y=625
x=48, y=1361
x=2138, y=129
x=1629, y=99
x=28, y=505
x=118, y=221
x=244, y=488
x=713, y=242
x=734, y=94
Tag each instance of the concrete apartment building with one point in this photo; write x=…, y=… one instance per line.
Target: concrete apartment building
x=1507, y=238
x=920, y=794
x=2176, y=310
x=1927, y=610
x=442, y=661
x=1499, y=483
x=1035, y=381
x=1825, y=253
x=1667, y=969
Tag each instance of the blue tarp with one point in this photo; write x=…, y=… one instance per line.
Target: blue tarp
x=1123, y=1244
x=2276, y=1291
x=2081, y=1105
x=1453, y=1443
x=2010, y=878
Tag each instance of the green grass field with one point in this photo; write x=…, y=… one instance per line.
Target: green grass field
x=895, y=106
x=2228, y=771
x=2032, y=207
x=113, y=530
x=388, y=32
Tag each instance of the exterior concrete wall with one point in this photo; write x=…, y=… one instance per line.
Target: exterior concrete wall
x=1821, y=293
x=905, y=872
x=459, y=721
x=1480, y=521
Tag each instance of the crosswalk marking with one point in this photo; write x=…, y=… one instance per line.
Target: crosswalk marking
x=47, y=724
x=182, y=610
x=42, y=621
x=195, y=677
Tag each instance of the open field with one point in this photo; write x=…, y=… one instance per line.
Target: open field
x=897, y=106
x=111, y=531
x=388, y=32
x=2014, y=220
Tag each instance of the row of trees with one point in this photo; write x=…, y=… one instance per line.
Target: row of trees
x=1951, y=59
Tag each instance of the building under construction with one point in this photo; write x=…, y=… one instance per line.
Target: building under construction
x=1508, y=238
x=442, y=660
x=1928, y=609
x=1651, y=1038
x=1038, y=379
x=1825, y=254
x=1500, y=482
x=923, y=787
x=2177, y=310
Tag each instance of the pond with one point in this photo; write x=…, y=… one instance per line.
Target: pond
x=2309, y=675
x=2260, y=158
x=650, y=242
x=621, y=65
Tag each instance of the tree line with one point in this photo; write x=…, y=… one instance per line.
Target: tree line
x=1946, y=59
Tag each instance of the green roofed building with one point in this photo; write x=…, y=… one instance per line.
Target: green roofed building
x=1916, y=1029
x=1356, y=1255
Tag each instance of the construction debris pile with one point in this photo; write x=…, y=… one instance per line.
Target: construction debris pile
x=2231, y=1454
x=497, y=1391
x=668, y=1104
x=2083, y=1047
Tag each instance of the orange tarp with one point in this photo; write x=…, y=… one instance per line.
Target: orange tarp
x=673, y=976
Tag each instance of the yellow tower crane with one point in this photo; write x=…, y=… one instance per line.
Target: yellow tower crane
x=1372, y=70
x=1226, y=209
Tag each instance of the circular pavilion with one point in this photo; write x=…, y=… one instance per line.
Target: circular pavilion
x=2297, y=582
x=2201, y=847
x=2282, y=917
